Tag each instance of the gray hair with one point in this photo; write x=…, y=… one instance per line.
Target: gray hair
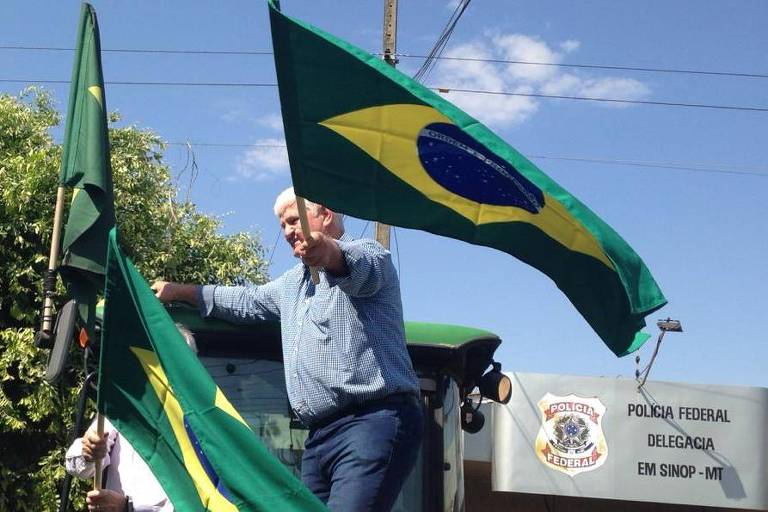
x=287, y=198
x=188, y=337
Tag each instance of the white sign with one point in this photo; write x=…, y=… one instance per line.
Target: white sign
x=667, y=443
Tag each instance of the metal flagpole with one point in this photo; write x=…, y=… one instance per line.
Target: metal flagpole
x=389, y=44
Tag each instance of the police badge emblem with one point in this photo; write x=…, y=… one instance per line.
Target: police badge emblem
x=571, y=436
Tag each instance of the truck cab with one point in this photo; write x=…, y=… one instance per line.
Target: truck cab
x=450, y=360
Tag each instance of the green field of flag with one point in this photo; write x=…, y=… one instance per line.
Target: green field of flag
x=86, y=168
x=368, y=141
x=154, y=389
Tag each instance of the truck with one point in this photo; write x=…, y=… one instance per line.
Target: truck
x=451, y=362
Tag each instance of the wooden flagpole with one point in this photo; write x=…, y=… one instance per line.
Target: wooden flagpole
x=50, y=283
x=97, y=469
x=302, y=207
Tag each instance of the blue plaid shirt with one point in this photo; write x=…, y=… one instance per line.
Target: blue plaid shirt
x=343, y=340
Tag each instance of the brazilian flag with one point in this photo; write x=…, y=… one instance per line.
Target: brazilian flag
x=367, y=140
x=156, y=392
x=86, y=167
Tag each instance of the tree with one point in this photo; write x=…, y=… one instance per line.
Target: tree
x=165, y=236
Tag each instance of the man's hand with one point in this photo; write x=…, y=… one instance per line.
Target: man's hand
x=320, y=250
x=171, y=292
x=94, y=447
x=105, y=500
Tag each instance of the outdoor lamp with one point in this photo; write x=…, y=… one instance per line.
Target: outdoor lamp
x=665, y=326
x=670, y=325
x=495, y=385
x=472, y=420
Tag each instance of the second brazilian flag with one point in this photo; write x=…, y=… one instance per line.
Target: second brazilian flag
x=157, y=393
x=367, y=140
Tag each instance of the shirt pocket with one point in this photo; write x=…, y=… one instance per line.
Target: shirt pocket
x=317, y=324
x=321, y=309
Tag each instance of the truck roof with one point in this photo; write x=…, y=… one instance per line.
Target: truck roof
x=459, y=351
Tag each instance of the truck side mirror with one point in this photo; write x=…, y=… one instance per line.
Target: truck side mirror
x=472, y=420
x=64, y=333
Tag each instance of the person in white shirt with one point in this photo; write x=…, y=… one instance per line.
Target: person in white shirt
x=129, y=486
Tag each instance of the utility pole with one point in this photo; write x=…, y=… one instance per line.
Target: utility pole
x=390, y=57
x=390, y=32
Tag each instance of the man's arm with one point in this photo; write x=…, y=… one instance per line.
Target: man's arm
x=237, y=304
x=113, y=501
x=106, y=500
x=80, y=457
x=176, y=292
x=320, y=250
x=368, y=268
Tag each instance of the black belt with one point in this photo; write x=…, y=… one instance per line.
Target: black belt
x=394, y=399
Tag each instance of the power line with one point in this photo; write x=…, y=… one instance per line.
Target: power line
x=140, y=50
x=683, y=166
x=437, y=50
x=181, y=84
x=444, y=90
x=596, y=66
x=413, y=56
x=605, y=100
x=225, y=145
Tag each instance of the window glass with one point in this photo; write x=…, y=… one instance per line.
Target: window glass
x=453, y=476
x=256, y=388
x=410, y=498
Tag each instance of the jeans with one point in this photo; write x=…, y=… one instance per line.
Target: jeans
x=360, y=461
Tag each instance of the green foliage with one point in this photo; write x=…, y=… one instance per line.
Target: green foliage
x=28, y=163
x=166, y=236
x=35, y=426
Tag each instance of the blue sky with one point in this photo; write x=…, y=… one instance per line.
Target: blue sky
x=701, y=232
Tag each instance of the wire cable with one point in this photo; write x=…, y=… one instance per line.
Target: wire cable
x=594, y=66
x=128, y=82
x=444, y=90
x=365, y=228
x=274, y=247
x=736, y=74
x=682, y=166
x=141, y=50
x=397, y=249
x=225, y=145
x=437, y=50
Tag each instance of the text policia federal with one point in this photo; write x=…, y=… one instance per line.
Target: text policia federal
x=668, y=412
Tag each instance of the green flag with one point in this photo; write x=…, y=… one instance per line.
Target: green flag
x=367, y=140
x=86, y=167
x=156, y=392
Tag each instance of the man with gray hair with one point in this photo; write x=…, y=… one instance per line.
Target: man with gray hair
x=347, y=370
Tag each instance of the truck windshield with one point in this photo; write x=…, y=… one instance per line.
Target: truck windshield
x=256, y=388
